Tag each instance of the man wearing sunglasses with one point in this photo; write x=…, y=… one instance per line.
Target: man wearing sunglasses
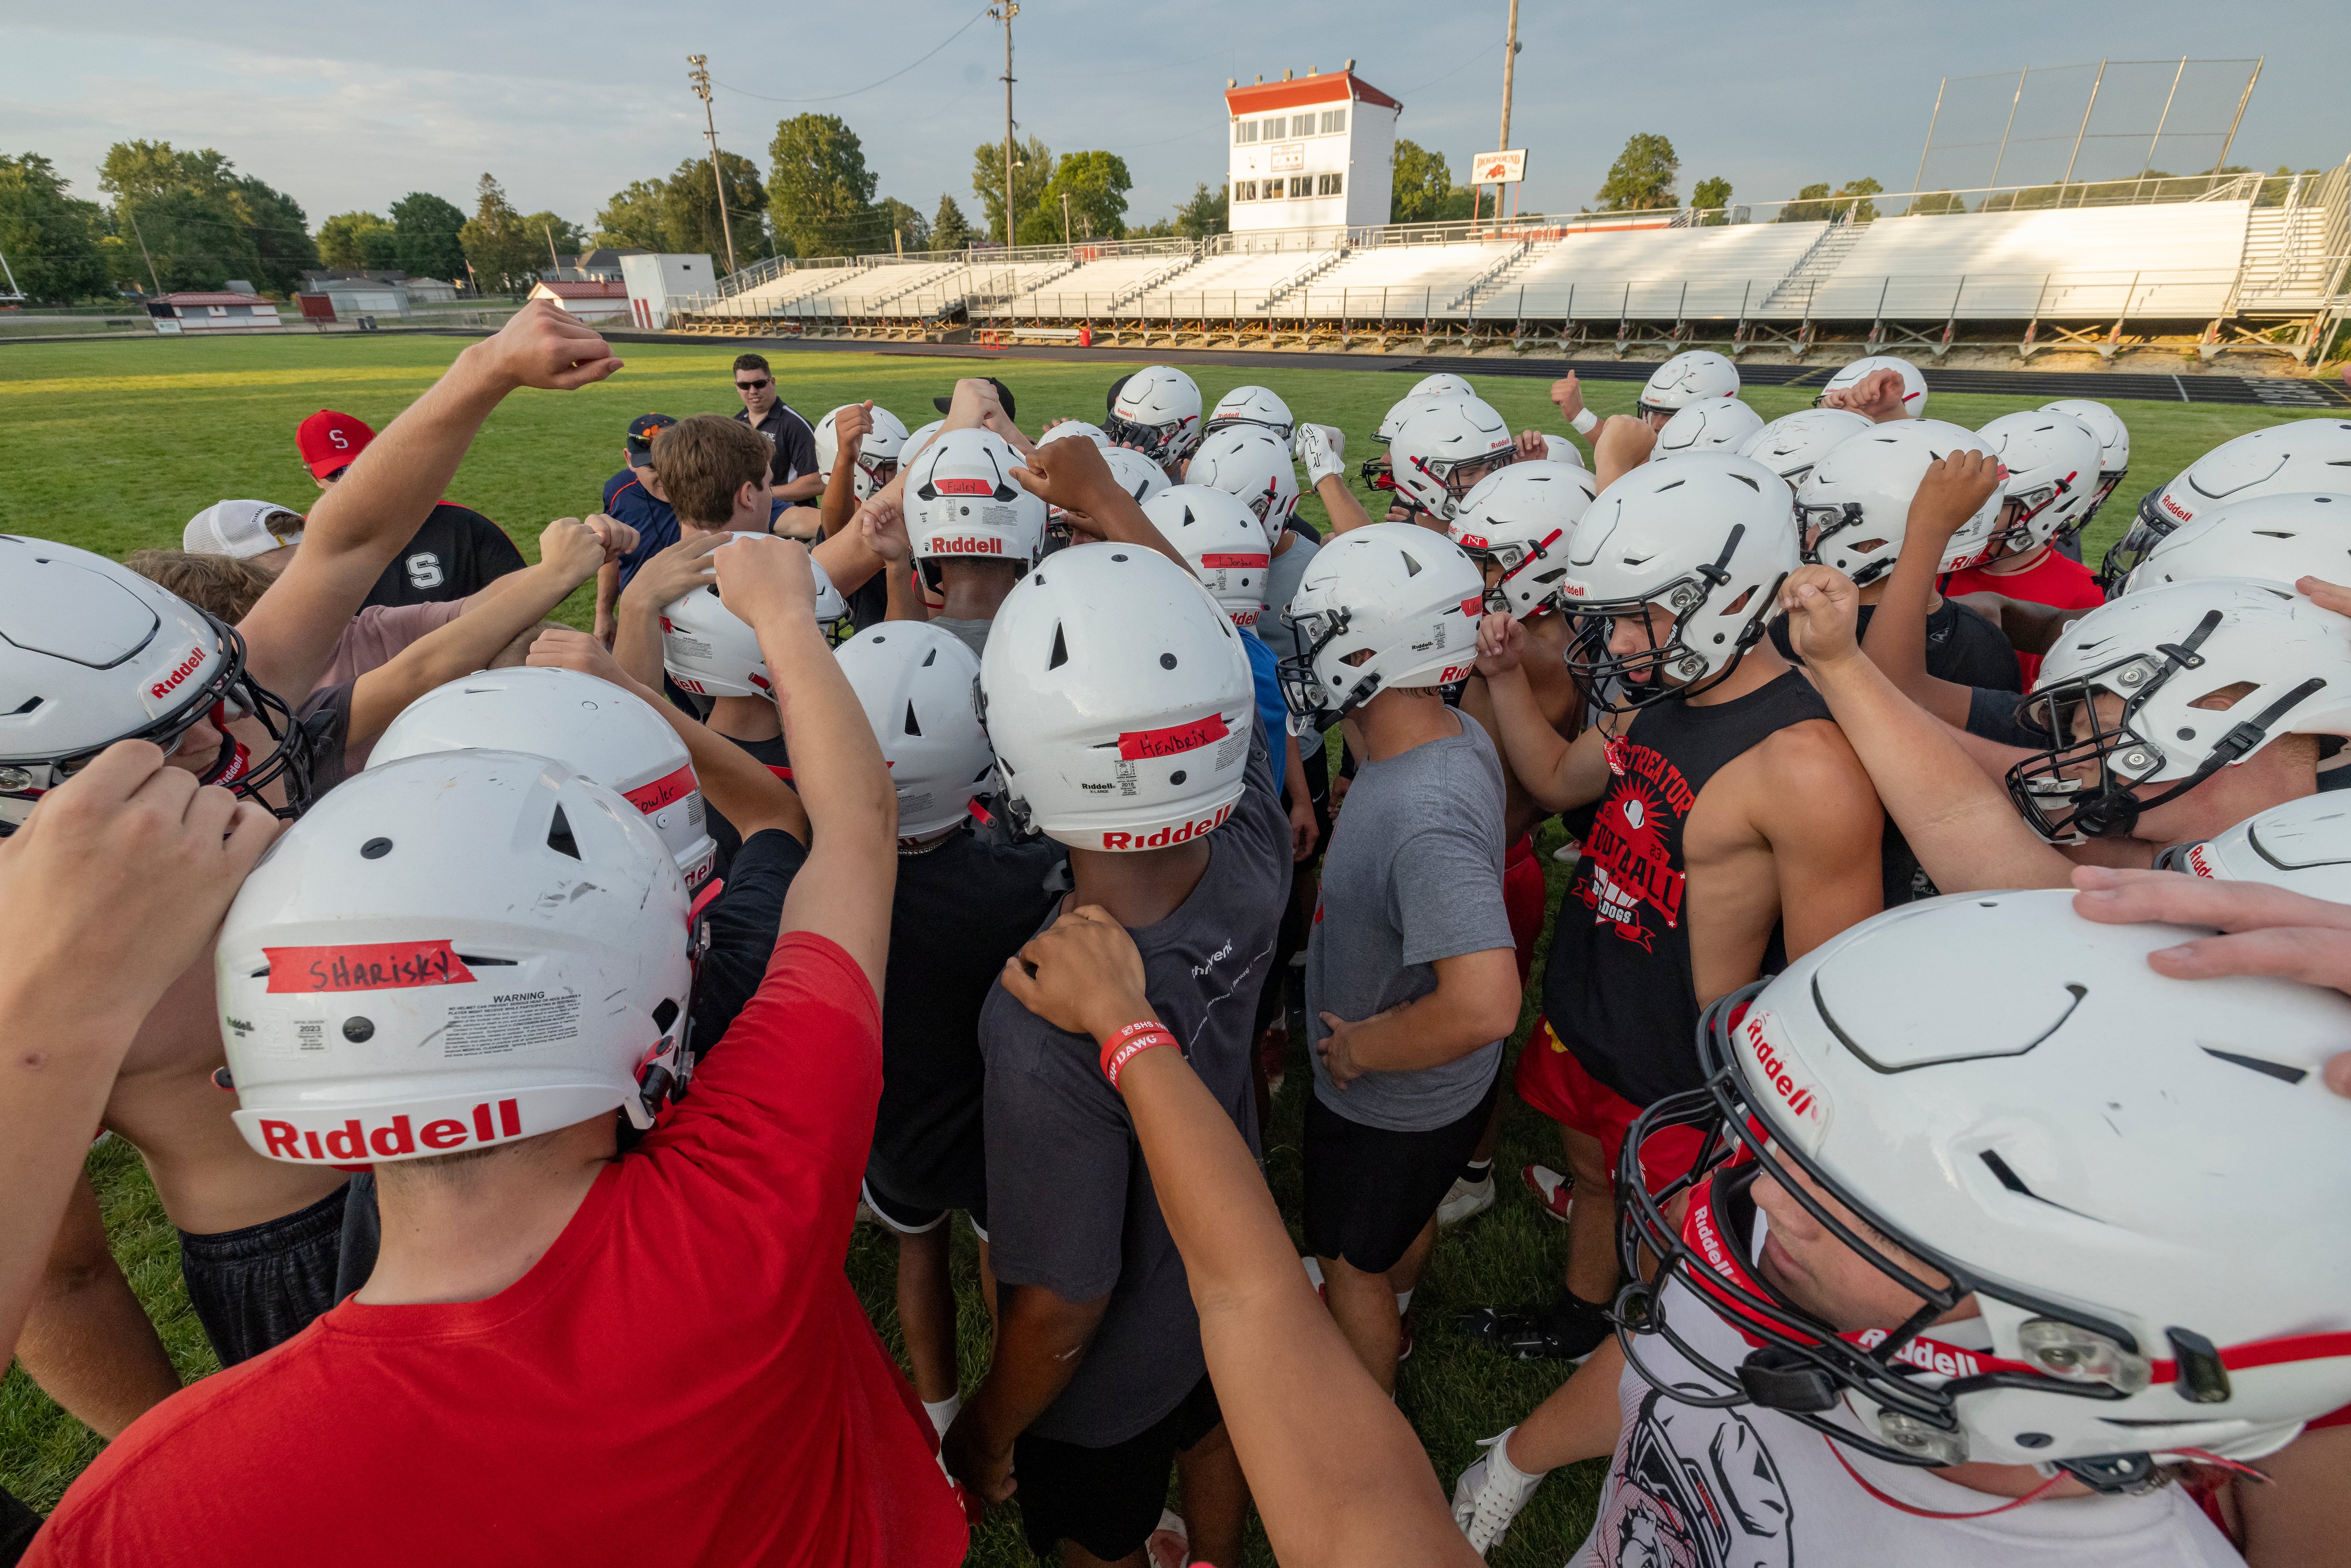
x=793, y=475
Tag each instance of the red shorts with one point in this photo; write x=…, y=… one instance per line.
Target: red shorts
x=1523, y=899
x=1550, y=1079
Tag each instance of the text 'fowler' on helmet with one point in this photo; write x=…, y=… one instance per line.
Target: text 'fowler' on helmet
x=451, y=951
x=1442, y=452
x=2307, y=456
x=2166, y=687
x=2302, y=846
x=1119, y=700
x=2276, y=539
x=2052, y=462
x=2020, y=1148
x=877, y=453
x=1717, y=424
x=1707, y=541
x=1384, y=605
x=1693, y=376
x=1516, y=523
x=1252, y=463
x=711, y=651
x=1219, y=535
x=962, y=502
x=1253, y=405
x=91, y=653
x=1913, y=386
x=1854, y=510
x=589, y=726
x=1792, y=444
x=913, y=680
x=1158, y=412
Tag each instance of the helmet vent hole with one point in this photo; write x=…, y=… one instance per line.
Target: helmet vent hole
x=1177, y=777
x=2005, y=1176
x=664, y=1015
x=928, y=658
x=1411, y=567
x=2277, y=1069
x=30, y=704
x=375, y=848
x=1060, y=650
x=1739, y=604
x=1749, y=481
x=1166, y=661
x=913, y=728
x=559, y=835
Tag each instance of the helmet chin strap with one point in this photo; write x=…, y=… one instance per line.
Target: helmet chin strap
x=2115, y=811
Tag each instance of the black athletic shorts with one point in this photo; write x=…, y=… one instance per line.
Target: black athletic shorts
x=913, y=1219
x=1369, y=1191
x=260, y=1286
x=1107, y=1501
x=17, y=1525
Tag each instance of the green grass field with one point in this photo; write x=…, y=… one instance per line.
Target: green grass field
x=115, y=444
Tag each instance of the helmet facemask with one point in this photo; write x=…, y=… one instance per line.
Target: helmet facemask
x=1302, y=691
x=2146, y=531
x=2013, y=534
x=1163, y=444
x=1672, y=668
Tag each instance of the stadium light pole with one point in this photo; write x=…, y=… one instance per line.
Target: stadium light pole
x=1003, y=14
x=700, y=76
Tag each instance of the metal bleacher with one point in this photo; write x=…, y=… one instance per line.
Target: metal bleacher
x=2211, y=263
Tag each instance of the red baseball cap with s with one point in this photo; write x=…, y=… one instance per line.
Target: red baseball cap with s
x=329, y=441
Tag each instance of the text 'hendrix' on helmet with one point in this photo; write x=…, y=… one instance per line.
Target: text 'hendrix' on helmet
x=2011, y=1158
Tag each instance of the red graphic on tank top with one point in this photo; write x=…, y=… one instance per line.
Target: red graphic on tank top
x=1631, y=855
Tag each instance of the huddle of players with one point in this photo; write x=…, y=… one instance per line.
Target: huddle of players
x=1091, y=731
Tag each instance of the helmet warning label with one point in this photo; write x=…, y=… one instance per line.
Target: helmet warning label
x=365, y=966
x=513, y=1022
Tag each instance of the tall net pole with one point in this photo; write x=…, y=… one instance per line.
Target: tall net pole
x=700, y=76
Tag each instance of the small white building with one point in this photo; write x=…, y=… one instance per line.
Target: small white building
x=199, y=310
x=589, y=301
x=656, y=277
x=360, y=293
x=1311, y=151
x=429, y=291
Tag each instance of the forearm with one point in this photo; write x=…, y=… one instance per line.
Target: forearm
x=1537, y=754
x=637, y=638
x=1895, y=641
x=839, y=503
x=905, y=604
x=499, y=614
x=1958, y=822
x=608, y=596
x=801, y=488
x=741, y=788
x=1429, y=1031
x=848, y=560
x=1339, y=504
x=1293, y=769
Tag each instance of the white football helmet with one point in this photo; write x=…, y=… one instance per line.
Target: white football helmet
x=1855, y=508
x=2276, y=539
x=2053, y=477
x=877, y=455
x=1709, y=539
x=1252, y=463
x=2023, y=1142
x=918, y=439
x=2113, y=447
x=915, y=681
x=1717, y=424
x=1441, y=454
x=962, y=502
x=1392, y=590
x=590, y=727
x=1792, y=444
x=1253, y=405
x=1401, y=412
x=1443, y=384
x=2151, y=656
x=2309, y=457
x=91, y=653
x=2302, y=846
x=1120, y=702
x=1519, y=521
x=711, y=651
x=1692, y=376
x=1560, y=449
x=452, y=951
x=1157, y=412
x=1913, y=386
x=1070, y=427
x=1220, y=535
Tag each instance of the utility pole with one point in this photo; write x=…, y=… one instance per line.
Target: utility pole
x=1510, y=61
x=700, y=76
x=1065, y=217
x=1004, y=13
x=553, y=260
x=143, y=247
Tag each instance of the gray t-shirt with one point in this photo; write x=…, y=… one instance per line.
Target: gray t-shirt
x=973, y=633
x=1413, y=874
x=1070, y=1205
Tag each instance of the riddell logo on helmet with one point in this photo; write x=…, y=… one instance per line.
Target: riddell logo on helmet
x=1455, y=673
x=179, y=673
x=1925, y=1355
x=2200, y=862
x=355, y=1143
x=1166, y=836
x=949, y=544
x=2175, y=509
x=1783, y=1074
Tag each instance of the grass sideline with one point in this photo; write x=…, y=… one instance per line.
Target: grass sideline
x=116, y=444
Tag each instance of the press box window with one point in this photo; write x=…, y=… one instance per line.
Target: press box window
x=1334, y=121
x=1326, y=184
x=1244, y=130
x=1273, y=127
x=1273, y=190
x=1247, y=192
x=1301, y=185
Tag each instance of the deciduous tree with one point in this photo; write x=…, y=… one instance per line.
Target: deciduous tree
x=506, y=256
x=51, y=240
x=1032, y=171
x=359, y=242
x=1642, y=175
x=820, y=192
x=428, y=228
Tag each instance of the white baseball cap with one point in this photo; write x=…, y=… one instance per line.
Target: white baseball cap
x=241, y=529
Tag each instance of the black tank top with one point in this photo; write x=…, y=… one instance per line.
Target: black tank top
x=1619, y=991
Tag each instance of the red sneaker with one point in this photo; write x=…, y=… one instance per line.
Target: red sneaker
x=1556, y=1192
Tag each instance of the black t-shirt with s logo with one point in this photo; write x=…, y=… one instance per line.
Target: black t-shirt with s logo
x=458, y=553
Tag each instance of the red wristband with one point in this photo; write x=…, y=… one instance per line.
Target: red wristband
x=1130, y=1042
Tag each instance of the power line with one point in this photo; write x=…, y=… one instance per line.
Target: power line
x=1482, y=51
x=868, y=87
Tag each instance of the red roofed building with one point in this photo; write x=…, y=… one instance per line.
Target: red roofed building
x=1310, y=153
x=597, y=301
x=213, y=311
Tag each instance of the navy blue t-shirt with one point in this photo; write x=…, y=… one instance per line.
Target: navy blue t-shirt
x=627, y=500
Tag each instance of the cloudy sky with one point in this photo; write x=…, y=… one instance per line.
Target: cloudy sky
x=351, y=106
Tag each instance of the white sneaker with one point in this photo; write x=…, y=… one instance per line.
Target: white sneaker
x=1467, y=1199
x=1170, y=1545
x=1489, y=1495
